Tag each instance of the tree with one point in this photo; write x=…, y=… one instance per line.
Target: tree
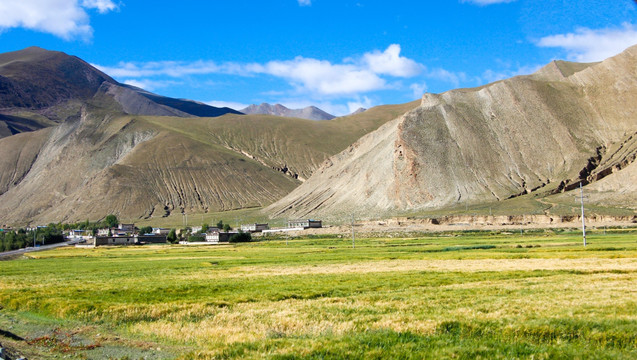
x=227, y=227
x=172, y=236
x=204, y=228
x=111, y=221
x=146, y=230
x=220, y=224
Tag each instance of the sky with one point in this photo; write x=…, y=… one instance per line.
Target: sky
x=338, y=55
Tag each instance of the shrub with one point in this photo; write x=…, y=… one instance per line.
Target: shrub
x=196, y=238
x=241, y=237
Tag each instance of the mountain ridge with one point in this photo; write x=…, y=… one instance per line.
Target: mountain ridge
x=36, y=83
x=309, y=112
x=535, y=135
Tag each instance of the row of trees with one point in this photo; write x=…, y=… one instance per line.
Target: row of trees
x=50, y=234
x=13, y=240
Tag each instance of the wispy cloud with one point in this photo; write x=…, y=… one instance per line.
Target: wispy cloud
x=347, y=82
x=588, y=45
x=418, y=89
x=150, y=85
x=368, y=72
x=169, y=68
x=363, y=102
x=305, y=2
x=103, y=6
x=447, y=76
x=489, y=75
x=66, y=19
x=486, y=2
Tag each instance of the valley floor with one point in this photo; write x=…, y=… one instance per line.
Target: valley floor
x=466, y=295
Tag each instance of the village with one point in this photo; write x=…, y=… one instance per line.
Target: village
x=129, y=234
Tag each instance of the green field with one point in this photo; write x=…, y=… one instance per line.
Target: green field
x=470, y=295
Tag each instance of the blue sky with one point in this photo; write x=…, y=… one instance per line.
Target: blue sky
x=338, y=55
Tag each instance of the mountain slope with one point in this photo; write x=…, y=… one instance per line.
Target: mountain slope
x=538, y=133
x=94, y=166
x=141, y=166
x=37, y=83
x=309, y=113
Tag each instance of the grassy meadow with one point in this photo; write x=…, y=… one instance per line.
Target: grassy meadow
x=488, y=295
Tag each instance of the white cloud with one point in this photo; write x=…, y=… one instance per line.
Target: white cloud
x=167, y=68
x=365, y=103
x=418, y=89
x=446, y=76
x=62, y=18
x=490, y=76
x=229, y=104
x=150, y=85
x=305, y=2
x=103, y=6
x=391, y=63
x=353, y=76
x=487, y=2
x=323, y=77
x=310, y=78
x=306, y=75
x=588, y=45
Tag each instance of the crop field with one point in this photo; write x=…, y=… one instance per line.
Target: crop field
x=489, y=295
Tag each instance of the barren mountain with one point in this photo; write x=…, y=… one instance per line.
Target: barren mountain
x=39, y=88
x=96, y=158
x=310, y=112
x=85, y=156
x=358, y=111
x=539, y=134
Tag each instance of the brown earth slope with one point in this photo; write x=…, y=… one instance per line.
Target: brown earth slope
x=539, y=133
x=138, y=166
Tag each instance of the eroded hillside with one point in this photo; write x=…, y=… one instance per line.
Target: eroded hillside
x=139, y=167
x=541, y=133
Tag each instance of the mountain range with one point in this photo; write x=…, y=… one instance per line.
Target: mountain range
x=76, y=144
x=310, y=112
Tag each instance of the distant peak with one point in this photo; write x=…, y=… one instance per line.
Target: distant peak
x=310, y=112
x=359, y=110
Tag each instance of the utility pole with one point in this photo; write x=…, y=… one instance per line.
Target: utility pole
x=581, y=197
